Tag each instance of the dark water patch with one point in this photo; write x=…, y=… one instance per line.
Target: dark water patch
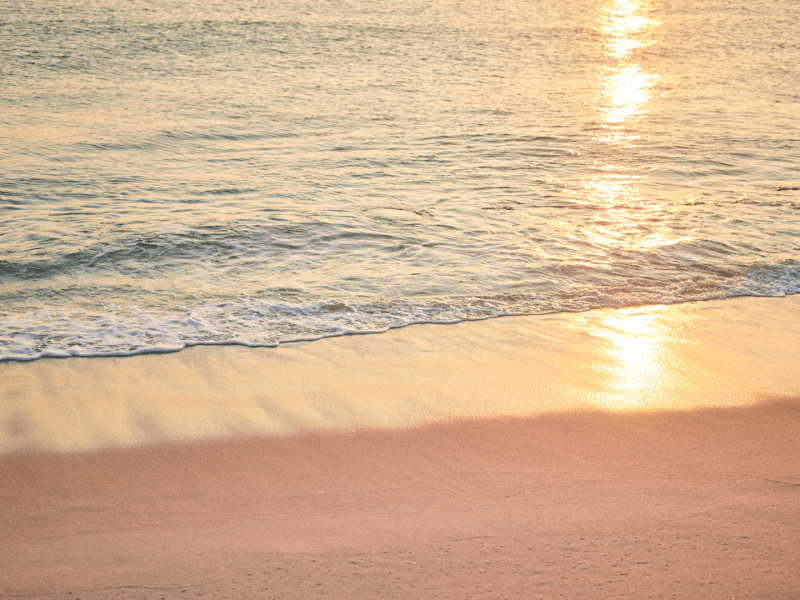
x=128, y=146
x=226, y=191
x=396, y=215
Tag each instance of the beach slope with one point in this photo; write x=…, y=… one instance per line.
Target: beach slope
x=533, y=457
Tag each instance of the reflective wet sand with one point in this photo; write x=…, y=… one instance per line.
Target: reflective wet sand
x=617, y=454
x=712, y=354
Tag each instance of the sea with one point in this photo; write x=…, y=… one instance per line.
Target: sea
x=255, y=172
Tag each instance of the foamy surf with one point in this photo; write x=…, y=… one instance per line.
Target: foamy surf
x=678, y=357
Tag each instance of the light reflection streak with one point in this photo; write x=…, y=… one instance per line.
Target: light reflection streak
x=627, y=90
x=624, y=86
x=623, y=94
x=634, y=359
x=625, y=28
x=634, y=352
x=634, y=347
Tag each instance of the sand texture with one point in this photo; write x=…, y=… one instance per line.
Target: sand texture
x=651, y=452
x=725, y=353
x=699, y=504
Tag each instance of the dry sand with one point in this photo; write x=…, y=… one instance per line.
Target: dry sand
x=573, y=456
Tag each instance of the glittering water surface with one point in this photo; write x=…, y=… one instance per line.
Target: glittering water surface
x=253, y=172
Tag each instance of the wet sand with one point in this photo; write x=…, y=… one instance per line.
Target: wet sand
x=659, y=457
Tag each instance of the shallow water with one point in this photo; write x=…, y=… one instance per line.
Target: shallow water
x=253, y=172
x=683, y=357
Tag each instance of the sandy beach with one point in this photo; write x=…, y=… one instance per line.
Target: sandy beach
x=472, y=300
x=636, y=453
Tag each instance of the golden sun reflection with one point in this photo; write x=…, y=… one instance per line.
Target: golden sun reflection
x=624, y=27
x=614, y=185
x=636, y=355
x=626, y=91
x=623, y=94
x=625, y=88
x=626, y=221
x=634, y=352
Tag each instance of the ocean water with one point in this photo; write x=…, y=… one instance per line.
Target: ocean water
x=254, y=172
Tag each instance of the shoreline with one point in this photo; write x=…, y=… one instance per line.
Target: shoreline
x=725, y=353
x=291, y=342
x=620, y=453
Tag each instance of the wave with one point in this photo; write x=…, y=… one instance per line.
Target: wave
x=124, y=330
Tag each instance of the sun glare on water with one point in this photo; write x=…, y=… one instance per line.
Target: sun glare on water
x=635, y=350
x=627, y=90
x=624, y=91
